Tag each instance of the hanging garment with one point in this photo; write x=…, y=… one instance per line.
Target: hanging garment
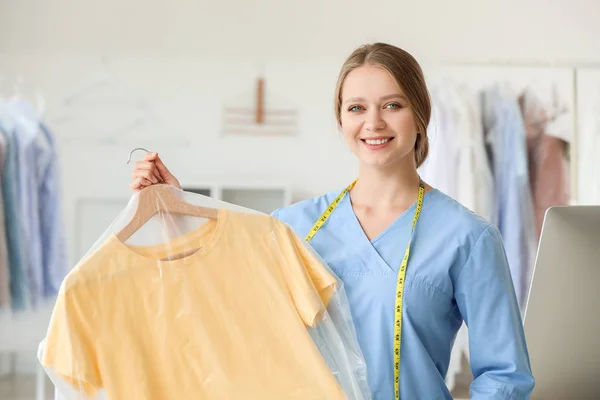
x=513, y=213
x=440, y=168
x=475, y=186
x=457, y=271
x=476, y=190
x=4, y=267
x=458, y=166
x=457, y=163
x=14, y=240
x=237, y=307
x=547, y=156
x=26, y=133
x=52, y=234
x=32, y=184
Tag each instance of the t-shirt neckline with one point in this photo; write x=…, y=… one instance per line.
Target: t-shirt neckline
x=205, y=237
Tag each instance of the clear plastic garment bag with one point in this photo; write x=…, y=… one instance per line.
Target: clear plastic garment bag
x=188, y=297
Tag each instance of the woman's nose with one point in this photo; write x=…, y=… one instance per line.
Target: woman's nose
x=374, y=121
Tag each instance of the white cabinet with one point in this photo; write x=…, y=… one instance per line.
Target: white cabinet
x=263, y=198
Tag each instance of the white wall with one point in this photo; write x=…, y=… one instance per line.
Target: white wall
x=463, y=29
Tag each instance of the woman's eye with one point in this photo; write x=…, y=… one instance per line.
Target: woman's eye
x=355, y=108
x=394, y=105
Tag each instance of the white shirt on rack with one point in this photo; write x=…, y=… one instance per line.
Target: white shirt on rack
x=458, y=165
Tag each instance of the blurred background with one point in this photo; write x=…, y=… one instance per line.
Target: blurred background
x=237, y=99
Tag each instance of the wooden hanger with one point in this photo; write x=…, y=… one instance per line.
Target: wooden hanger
x=160, y=198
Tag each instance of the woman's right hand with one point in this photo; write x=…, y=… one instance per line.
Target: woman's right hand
x=151, y=171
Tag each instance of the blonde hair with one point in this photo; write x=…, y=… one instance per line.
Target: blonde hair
x=408, y=74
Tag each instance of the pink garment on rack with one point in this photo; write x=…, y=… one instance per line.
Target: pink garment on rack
x=547, y=155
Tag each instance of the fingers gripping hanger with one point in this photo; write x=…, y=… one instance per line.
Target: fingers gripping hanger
x=147, y=151
x=160, y=198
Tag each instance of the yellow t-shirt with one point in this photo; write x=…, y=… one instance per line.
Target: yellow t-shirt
x=226, y=322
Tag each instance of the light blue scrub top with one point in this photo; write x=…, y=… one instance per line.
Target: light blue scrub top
x=457, y=269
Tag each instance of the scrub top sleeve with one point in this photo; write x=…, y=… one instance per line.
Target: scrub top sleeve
x=487, y=301
x=310, y=284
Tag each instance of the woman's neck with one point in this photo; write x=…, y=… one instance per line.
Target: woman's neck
x=386, y=188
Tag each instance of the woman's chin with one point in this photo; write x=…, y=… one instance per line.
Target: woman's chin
x=382, y=162
x=377, y=163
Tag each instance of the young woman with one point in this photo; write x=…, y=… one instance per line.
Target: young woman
x=457, y=269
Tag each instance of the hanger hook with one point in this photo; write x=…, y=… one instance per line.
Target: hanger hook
x=133, y=151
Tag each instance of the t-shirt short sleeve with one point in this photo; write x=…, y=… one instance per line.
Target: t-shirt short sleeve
x=69, y=344
x=310, y=283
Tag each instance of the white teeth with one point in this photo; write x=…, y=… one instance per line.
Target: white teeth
x=377, y=141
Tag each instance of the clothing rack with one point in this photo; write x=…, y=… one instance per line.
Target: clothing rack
x=462, y=343
x=32, y=259
x=549, y=70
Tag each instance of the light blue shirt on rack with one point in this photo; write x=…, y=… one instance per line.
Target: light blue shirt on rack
x=457, y=269
x=513, y=206
x=39, y=209
x=54, y=257
x=26, y=132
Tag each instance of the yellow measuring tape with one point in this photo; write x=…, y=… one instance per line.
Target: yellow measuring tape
x=401, y=274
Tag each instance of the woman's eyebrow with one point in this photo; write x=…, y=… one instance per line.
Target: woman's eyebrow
x=387, y=97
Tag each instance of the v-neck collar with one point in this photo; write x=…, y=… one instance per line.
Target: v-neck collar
x=361, y=238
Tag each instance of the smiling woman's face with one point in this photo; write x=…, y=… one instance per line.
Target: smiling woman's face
x=376, y=118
